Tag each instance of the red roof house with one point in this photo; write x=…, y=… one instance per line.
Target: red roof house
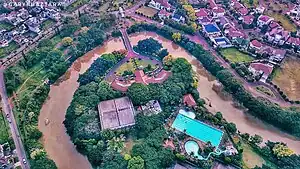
x=243, y=11
x=248, y=19
x=261, y=68
x=202, y=13
x=189, y=100
x=255, y=44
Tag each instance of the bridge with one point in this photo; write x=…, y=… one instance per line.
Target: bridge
x=130, y=52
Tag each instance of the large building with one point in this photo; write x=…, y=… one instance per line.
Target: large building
x=116, y=113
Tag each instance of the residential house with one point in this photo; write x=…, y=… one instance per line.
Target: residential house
x=201, y=13
x=243, y=11
x=264, y=20
x=260, y=9
x=13, y=19
x=233, y=33
x=241, y=43
x=151, y=107
x=178, y=18
x=292, y=41
x=218, y=12
x=295, y=12
x=33, y=24
x=277, y=55
x=163, y=14
x=223, y=23
x=278, y=36
x=205, y=20
x=255, y=45
x=261, y=69
x=160, y=4
x=247, y=20
x=273, y=25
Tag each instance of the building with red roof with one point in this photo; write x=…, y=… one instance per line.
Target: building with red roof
x=256, y=45
x=261, y=69
x=248, y=19
x=140, y=77
x=264, y=20
x=243, y=11
x=278, y=36
x=218, y=12
x=201, y=13
x=163, y=14
x=188, y=100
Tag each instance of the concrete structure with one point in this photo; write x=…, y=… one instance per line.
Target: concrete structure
x=160, y=4
x=116, y=113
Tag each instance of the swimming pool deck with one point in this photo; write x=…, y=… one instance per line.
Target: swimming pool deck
x=198, y=130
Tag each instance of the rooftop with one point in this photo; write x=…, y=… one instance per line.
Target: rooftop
x=189, y=100
x=116, y=113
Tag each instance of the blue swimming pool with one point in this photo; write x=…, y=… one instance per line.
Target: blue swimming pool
x=198, y=130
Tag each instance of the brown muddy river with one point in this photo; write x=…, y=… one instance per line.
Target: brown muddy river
x=244, y=122
x=56, y=141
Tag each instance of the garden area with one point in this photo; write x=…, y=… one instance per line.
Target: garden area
x=235, y=56
x=133, y=64
x=6, y=26
x=251, y=158
x=5, y=51
x=147, y=11
x=287, y=78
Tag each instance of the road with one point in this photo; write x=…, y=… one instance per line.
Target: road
x=12, y=123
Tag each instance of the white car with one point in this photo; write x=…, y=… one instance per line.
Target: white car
x=24, y=161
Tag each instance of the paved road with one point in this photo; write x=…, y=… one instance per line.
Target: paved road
x=12, y=123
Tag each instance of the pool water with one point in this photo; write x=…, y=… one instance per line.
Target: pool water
x=198, y=130
x=187, y=113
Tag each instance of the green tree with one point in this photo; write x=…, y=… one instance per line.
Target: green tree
x=116, y=143
x=138, y=93
x=136, y=163
x=231, y=127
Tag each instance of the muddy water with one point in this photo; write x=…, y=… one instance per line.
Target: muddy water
x=55, y=139
x=244, y=122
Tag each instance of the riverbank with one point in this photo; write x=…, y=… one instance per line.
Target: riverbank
x=56, y=141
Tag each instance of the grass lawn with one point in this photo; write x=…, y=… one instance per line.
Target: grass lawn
x=6, y=26
x=9, y=49
x=251, y=158
x=47, y=24
x=285, y=22
x=235, y=56
x=130, y=66
x=265, y=90
x=288, y=78
x=4, y=129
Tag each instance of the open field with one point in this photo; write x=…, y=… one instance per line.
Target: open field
x=235, y=56
x=288, y=78
x=265, y=91
x=147, y=11
x=7, y=50
x=251, y=158
x=131, y=66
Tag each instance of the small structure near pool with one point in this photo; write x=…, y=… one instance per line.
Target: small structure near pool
x=189, y=100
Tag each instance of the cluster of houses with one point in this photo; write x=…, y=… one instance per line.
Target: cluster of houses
x=7, y=157
x=295, y=14
x=23, y=20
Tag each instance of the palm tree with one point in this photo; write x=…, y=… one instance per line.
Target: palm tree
x=116, y=143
